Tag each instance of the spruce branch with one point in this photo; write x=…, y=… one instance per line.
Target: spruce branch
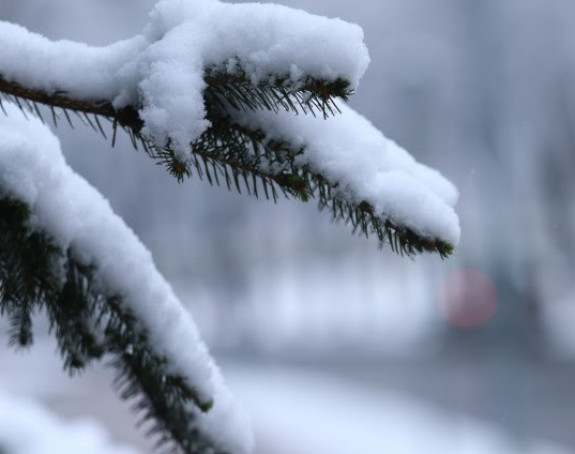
x=250, y=160
x=309, y=95
x=27, y=99
x=245, y=159
x=233, y=87
x=90, y=324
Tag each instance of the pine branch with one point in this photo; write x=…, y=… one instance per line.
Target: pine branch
x=269, y=167
x=233, y=87
x=242, y=158
x=90, y=324
x=310, y=95
x=28, y=98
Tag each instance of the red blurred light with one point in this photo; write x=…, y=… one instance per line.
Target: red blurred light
x=468, y=299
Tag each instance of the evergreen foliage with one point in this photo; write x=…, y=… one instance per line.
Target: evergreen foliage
x=240, y=157
x=88, y=322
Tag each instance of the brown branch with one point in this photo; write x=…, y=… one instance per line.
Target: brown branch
x=126, y=117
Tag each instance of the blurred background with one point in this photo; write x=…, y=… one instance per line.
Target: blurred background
x=333, y=345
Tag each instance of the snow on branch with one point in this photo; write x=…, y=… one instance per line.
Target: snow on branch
x=219, y=89
x=110, y=300
x=366, y=169
x=161, y=72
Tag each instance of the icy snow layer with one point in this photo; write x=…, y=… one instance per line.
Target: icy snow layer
x=26, y=428
x=349, y=150
x=33, y=169
x=162, y=69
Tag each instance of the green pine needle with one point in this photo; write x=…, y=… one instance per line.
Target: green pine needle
x=90, y=324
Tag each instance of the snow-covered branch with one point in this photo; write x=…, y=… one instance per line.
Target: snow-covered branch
x=208, y=86
x=247, y=95
x=63, y=249
x=161, y=72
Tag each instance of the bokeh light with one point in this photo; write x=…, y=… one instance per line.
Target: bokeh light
x=468, y=299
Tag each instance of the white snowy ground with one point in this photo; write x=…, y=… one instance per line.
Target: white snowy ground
x=309, y=413
x=27, y=428
x=293, y=411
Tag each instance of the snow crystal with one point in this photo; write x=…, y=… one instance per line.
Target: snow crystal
x=33, y=170
x=349, y=150
x=162, y=70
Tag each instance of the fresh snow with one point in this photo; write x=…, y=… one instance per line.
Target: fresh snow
x=349, y=150
x=163, y=67
x=32, y=169
x=27, y=428
x=313, y=412
x=294, y=410
x=162, y=71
